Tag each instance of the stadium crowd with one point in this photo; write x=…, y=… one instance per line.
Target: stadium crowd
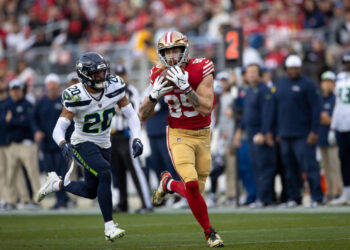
x=258, y=149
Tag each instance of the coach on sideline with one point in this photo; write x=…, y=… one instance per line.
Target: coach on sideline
x=296, y=108
x=46, y=113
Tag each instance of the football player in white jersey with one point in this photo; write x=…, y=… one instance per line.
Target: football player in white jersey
x=341, y=124
x=91, y=104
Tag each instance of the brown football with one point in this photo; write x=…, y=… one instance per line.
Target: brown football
x=165, y=73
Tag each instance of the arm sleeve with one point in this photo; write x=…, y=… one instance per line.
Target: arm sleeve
x=133, y=121
x=314, y=98
x=60, y=129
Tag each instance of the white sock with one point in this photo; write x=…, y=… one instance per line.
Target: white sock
x=109, y=224
x=168, y=185
x=56, y=185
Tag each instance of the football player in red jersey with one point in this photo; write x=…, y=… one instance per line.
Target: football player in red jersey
x=187, y=87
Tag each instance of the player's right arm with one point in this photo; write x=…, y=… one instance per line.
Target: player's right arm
x=61, y=127
x=146, y=109
x=156, y=91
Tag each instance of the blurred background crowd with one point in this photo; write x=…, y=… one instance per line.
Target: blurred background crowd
x=41, y=40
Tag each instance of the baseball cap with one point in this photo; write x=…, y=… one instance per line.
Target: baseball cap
x=52, y=78
x=328, y=75
x=222, y=75
x=15, y=83
x=293, y=61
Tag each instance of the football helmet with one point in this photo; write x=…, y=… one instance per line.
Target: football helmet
x=170, y=40
x=89, y=67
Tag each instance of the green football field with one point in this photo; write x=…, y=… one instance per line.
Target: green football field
x=174, y=231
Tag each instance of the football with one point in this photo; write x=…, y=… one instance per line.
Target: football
x=165, y=73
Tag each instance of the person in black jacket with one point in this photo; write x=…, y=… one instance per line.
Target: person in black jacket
x=21, y=127
x=296, y=109
x=255, y=109
x=47, y=111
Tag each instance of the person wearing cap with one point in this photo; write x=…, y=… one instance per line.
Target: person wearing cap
x=256, y=103
x=225, y=125
x=3, y=144
x=21, y=127
x=121, y=159
x=296, y=108
x=326, y=138
x=47, y=111
x=341, y=125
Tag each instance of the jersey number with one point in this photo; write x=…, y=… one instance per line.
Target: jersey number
x=90, y=120
x=74, y=90
x=175, y=106
x=344, y=95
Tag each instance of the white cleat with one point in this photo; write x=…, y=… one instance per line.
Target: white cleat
x=342, y=200
x=49, y=186
x=113, y=233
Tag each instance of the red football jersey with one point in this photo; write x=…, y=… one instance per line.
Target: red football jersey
x=181, y=112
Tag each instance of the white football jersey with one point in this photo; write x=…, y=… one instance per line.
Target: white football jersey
x=341, y=113
x=93, y=117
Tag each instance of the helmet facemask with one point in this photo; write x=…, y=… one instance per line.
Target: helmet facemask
x=96, y=79
x=168, y=60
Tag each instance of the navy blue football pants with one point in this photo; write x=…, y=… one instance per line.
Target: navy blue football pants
x=97, y=176
x=264, y=168
x=299, y=157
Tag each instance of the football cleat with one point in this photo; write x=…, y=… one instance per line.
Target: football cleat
x=214, y=239
x=49, y=186
x=161, y=191
x=112, y=233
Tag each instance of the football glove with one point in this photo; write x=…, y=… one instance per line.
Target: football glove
x=159, y=88
x=67, y=151
x=137, y=147
x=180, y=78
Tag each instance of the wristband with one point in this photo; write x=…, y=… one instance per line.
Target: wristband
x=189, y=90
x=152, y=99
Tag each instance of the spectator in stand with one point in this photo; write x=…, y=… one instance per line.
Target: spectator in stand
x=296, y=108
x=343, y=31
x=329, y=150
x=315, y=59
x=314, y=18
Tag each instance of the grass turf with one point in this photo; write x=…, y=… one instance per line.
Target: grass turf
x=174, y=231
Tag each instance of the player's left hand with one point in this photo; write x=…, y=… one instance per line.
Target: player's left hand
x=179, y=77
x=137, y=147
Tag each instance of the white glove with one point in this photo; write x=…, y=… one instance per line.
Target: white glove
x=180, y=78
x=331, y=138
x=158, y=89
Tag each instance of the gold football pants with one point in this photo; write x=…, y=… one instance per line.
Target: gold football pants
x=190, y=153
